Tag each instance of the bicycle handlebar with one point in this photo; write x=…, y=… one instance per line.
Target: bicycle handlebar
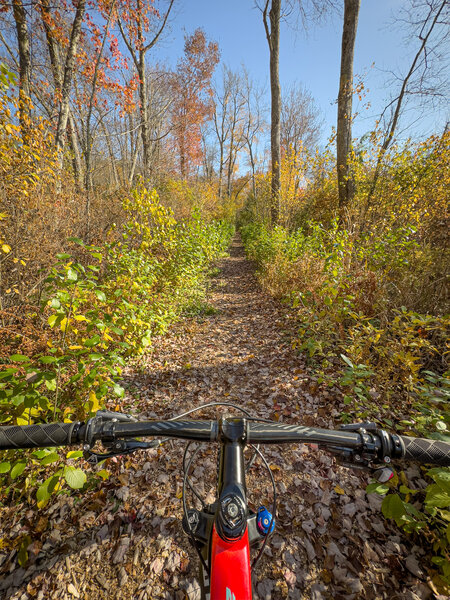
x=37, y=436
x=426, y=451
x=380, y=443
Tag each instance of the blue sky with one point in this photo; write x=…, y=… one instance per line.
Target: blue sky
x=312, y=58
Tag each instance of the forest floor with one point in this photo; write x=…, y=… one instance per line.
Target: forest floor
x=124, y=539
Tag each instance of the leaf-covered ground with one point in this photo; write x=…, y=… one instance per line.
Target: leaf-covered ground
x=124, y=540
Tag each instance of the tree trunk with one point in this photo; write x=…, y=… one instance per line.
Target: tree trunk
x=133, y=167
x=273, y=39
x=220, y=172
x=89, y=140
x=56, y=68
x=112, y=158
x=252, y=163
x=346, y=182
x=220, y=138
x=67, y=81
x=230, y=164
x=76, y=160
x=145, y=131
x=139, y=62
x=23, y=42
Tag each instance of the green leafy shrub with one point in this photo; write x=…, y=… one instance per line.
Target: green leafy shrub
x=424, y=515
x=96, y=311
x=389, y=361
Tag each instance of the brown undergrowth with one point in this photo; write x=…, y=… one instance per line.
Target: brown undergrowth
x=123, y=539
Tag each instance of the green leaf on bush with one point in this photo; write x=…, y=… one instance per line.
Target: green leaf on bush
x=8, y=373
x=5, y=467
x=18, y=469
x=19, y=358
x=74, y=477
x=74, y=454
x=146, y=341
x=52, y=319
x=46, y=489
x=118, y=390
x=77, y=240
x=393, y=507
x=40, y=453
x=437, y=496
x=50, y=384
x=377, y=488
x=47, y=360
x=100, y=295
x=92, y=341
x=55, y=303
x=72, y=275
x=50, y=458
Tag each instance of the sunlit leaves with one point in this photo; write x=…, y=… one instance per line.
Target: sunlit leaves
x=94, y=319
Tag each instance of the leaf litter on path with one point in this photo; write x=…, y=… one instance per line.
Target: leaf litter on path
x=125, y=541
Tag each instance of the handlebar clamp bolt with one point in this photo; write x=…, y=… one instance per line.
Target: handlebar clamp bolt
x=232, y=510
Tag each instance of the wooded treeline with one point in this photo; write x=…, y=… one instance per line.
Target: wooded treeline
x=120, y=180
x=115, y=112
x=88, y=110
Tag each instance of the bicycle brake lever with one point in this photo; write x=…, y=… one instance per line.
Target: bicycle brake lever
x=348, y=457
x=109, y=415
x=118, y=448
x=367, y=425
x=383, y=474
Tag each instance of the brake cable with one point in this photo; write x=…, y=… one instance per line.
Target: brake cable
x=274, y=506
x=190, y=532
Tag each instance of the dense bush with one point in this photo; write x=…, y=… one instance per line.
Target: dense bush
x=94, y=312
x=371, y=302
x=391, y=363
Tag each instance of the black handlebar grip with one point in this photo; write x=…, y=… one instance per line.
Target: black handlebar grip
x=36, y=436
x=433, y=452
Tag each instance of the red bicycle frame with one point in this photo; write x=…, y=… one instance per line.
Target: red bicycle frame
x=225, y=530
x=230, y=568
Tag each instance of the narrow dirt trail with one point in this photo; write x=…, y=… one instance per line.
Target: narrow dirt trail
x=124, y=540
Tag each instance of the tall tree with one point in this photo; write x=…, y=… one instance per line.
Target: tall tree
x=300, y=120
x=23, y=44
x=255, y=122
x=346, y=182
x=135, y=24
x=271, y=19
x=229, y=124
x=221, y=99
x=53, y=46
x=67, y=80
x=192, y=104
x=92, y=97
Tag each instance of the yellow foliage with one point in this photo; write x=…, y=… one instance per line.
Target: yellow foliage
x=184, y=197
